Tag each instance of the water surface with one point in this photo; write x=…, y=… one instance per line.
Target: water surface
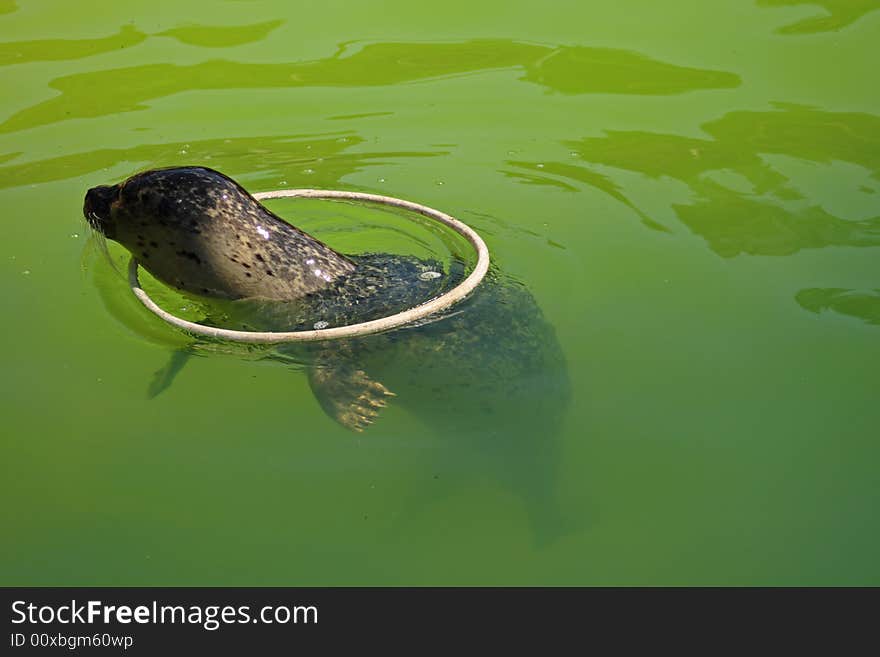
x=690, y=190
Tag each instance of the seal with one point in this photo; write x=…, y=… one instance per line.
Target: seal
x=198, y=230
x=489, y=378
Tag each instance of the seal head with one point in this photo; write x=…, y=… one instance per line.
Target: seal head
x=97, y=209
x=199, y=231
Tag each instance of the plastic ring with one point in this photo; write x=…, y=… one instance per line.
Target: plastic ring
x=416, y=313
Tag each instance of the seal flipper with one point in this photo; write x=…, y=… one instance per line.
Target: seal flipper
x=348, y=395
x=163, y=377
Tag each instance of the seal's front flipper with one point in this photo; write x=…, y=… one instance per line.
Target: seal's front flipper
x=348, y=395
x=162, y=378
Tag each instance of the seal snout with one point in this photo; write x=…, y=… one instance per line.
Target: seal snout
x=96, y=208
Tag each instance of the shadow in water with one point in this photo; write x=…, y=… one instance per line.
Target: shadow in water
x=541, y=171
x=771, y=218
x=22, y=52
x=206, y=36
x=570, y=70
x=583, y=70
x=839, y=14
x=864, y=305
x=265, y=159
x=209, y=36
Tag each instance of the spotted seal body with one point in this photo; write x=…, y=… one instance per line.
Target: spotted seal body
x=199, y=231
x=488, y=379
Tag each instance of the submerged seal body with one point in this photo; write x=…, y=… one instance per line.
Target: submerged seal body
x=489, y=375
x=200, y=231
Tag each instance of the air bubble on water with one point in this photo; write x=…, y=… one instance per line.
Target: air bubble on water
x=283, y=183
x=74, y=235
x=308, y=172
x=429, y=275
x=321, y=325
x=26, y=272
x=440, y=182
x=381, y=180
x=574, y=154
x=512, y=152
x=540, y=166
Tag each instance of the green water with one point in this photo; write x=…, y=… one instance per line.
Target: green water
x=690, y=190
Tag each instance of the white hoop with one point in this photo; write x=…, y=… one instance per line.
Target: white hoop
x=365, y=328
